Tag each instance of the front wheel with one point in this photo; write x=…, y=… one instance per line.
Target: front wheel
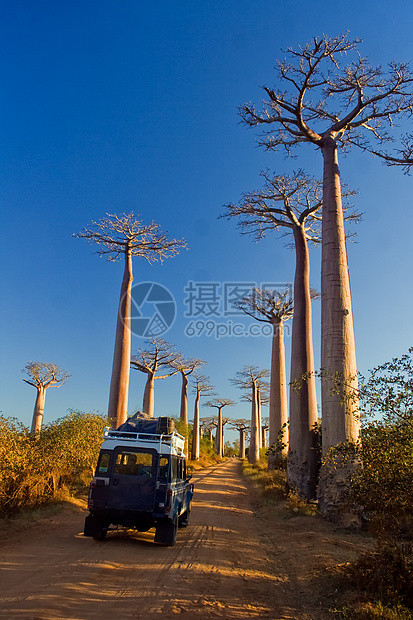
x=166, y=531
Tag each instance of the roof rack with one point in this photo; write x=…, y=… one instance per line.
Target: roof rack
x=173, y=443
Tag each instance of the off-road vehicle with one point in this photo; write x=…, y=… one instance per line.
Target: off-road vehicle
x=141, y=481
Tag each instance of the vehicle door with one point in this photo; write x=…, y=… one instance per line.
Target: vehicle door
x=179, y=484
x=132, y=480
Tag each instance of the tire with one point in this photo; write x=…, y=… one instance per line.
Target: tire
x=185, y=517
x=95, y=527
x=166, y=532
x=100, y=535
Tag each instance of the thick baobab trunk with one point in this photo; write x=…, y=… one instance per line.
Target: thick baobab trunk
x=148, y=405
x=302, y=453
x=195, y=432
x=242, y=443
x=211, y=438
x=338, y=356
x=119, y=385
x=219, y=446
x=38, y=410
x=184, y=399
x=254, y=452
x=278, y=384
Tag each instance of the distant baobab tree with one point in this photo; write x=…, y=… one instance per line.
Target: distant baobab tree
x=219, y=404
x=265, y=424
x=274, y=307
x=325, y=101
x=261, y=398
x=43, y=376
x=126, y=236
x=208, y=424
x=160, y=354
x=242, y=426
x=202, y=387
x=185, y=367
x=253, y=379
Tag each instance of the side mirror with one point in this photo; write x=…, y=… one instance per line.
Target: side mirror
x=189, y=473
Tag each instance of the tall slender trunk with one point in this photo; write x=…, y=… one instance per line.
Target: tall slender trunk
x=38, y=410
x=259, y=420
x=195, y=431
x=242, y=443
x=264, y=437
x=119, y=385
x=253, y=452
x=211, y=439
x=148, y=405
x=302, y=453
x=223, y=440
x=278, y=384
x=219, y=433
x=184, y=399
x=338, y=355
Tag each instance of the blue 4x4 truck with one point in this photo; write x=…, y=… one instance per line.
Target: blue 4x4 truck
x=141, y=481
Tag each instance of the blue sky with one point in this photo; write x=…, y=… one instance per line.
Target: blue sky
x=129, y=106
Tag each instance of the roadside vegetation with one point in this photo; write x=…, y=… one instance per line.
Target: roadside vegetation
x=38, y=468
x=378, y=583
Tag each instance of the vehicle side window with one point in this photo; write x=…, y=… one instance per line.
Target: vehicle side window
x=178, y=468
x=133, y=463
x=163, y=467
x=103, y=464
x=174, y=468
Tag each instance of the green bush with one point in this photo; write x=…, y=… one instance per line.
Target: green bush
x=34, y=466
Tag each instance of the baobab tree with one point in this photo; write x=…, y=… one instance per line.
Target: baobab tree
x=208, y=424
x=202, y=387
x=274, y=307
x=185, y=367
x=125, y=235
x=265, y=425
x=160, y=354
x=262, y=397
x=242, y=426
x=329, y=104
x=291, y=204
x=219, y=404
x=43, y=376
x=253, y=379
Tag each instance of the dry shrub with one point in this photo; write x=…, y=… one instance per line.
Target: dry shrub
x=33, y=467
x=385, y=575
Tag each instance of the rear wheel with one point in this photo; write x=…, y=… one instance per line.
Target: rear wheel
x=166, y=531
x=100, y=535
x=96, y=527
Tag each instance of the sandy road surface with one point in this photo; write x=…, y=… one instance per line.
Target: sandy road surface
x=217, y=569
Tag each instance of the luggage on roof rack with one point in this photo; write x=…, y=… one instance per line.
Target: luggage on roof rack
x=142, y=423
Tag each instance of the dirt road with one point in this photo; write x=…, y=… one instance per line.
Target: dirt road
x=219, y=567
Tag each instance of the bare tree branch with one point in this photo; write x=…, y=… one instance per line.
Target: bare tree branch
x=122, y=234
